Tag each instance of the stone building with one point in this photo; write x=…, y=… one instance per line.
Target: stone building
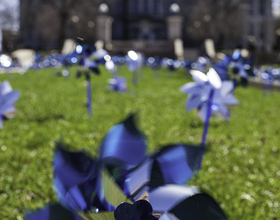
x=149, y=26
x=260, y=24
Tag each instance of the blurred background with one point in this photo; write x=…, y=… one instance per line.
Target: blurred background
x=148, y=26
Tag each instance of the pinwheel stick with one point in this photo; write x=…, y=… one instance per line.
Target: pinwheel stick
x=208, y=115
x=134, y=78
x=89, y=98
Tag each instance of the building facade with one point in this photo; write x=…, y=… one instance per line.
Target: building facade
x=148, y=26
x=260, y=24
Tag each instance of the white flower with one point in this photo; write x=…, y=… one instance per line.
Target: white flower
x=199, y=92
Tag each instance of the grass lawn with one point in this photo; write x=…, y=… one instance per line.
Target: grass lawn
x=241, y=169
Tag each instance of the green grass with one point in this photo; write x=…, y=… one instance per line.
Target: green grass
x=240, y=170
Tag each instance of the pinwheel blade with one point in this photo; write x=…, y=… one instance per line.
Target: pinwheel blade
x=98, y=216
x=199, y=207
x=99, y=54
x=214, y=78
x=76, y=200
x=202, y=112
x=226, y=88
x=166, y=197
x=72, y=172
x=53, y=212
x=168, y=216
x=229, y=100
x=110, y=66
x=125, y=142
x=198, y=76
x=8, y=111
x=190, y=87
x=222, y=111
x=193, y=101
x=138, y=180
x=221, y=68
x=113, y=194
x=11, y=97
x=5, y=88
x=178, y=163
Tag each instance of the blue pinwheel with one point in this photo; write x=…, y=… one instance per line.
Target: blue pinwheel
x=117, y=84
x=134, y=61
x=123, y=172
x=89, y=61
x=209, y=94
x=8, y=98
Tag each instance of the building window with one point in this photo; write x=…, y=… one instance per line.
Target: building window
x=262, y=7
x=251, y=29
x=117, y=30
x=135, y=6
x=119, y=7
x=146, y=6
x=251, y=7
x=156, y=6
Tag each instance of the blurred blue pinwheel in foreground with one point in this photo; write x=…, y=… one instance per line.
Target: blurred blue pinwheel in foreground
x=8, y=98
x=115, y=184
x=117, y=84
x=200, y=90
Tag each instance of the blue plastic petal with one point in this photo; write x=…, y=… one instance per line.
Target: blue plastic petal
x=118, y=84
x=178, y=163
x=125, y=142
x=220, y=68
x=75, y=199
x=227, y=59
x=72, y=169
x=200, y=206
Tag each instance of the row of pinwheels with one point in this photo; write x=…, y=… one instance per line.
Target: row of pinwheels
x=124, y=173
x=118, y=183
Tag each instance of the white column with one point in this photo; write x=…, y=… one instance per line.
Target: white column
x=104, y=28
x=174, y=27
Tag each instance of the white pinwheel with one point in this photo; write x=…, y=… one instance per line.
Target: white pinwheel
x=8, y=98
x=199, y=94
